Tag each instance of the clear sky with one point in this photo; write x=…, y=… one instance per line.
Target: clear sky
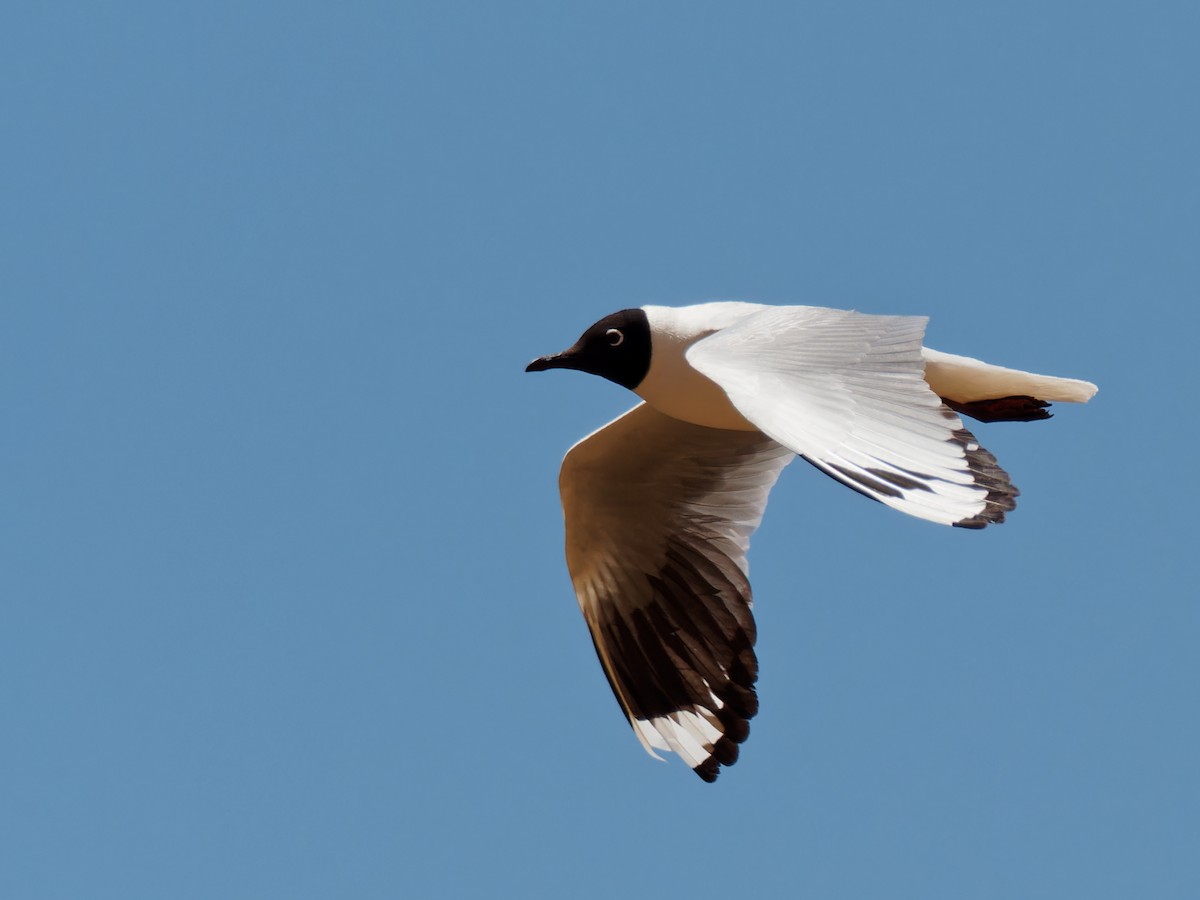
x=283, y=608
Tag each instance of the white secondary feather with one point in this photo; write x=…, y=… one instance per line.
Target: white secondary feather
x=659, y=515
x=848, y=392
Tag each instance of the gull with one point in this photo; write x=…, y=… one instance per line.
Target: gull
x=660, y=504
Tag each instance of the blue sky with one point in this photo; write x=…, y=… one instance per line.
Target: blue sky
x=283, y=609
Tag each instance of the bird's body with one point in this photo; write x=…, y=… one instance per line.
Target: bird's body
x=660, y=504
x=672, y=385
x=675, y=387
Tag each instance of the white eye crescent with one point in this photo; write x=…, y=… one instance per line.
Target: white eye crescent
x=615, y=338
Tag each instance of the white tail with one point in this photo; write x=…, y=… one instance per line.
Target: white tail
x=967, y=380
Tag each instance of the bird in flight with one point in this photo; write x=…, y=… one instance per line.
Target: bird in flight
x=660, y=503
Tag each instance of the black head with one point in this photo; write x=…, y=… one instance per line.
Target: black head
x=617, y=348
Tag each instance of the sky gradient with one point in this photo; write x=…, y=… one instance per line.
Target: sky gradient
x=283, y=606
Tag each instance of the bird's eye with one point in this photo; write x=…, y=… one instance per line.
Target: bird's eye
x=615, y=338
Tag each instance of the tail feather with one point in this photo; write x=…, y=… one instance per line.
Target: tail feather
x=965, y=381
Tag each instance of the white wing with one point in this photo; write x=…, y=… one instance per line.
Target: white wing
x=847, y=391
x=659, y=515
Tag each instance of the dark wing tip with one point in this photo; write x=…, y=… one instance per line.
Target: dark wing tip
x=1001, y=492
x=725, y=750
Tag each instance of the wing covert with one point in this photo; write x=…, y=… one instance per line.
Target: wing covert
x=846, y=390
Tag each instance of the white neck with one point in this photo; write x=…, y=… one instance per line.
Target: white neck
x=672, y=386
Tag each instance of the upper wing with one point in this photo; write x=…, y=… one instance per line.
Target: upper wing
x=847, y=391
x=659, y=514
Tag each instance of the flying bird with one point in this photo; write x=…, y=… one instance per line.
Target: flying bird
x=660, y=503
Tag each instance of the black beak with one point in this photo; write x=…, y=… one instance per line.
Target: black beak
x=564, y=360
